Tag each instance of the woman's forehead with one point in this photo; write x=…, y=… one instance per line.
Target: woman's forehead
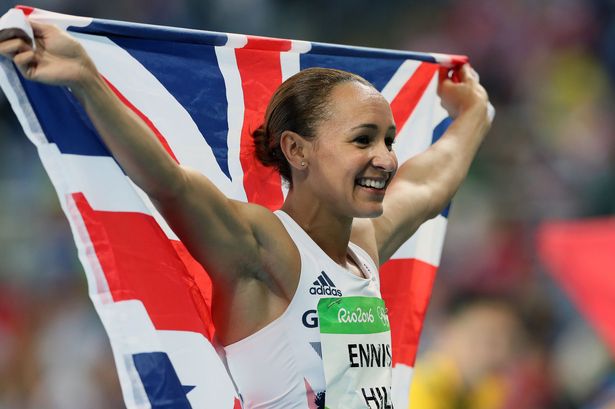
x=355, y=89
x=358, y=102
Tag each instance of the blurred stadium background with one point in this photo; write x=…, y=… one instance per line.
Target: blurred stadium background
x=549, y=67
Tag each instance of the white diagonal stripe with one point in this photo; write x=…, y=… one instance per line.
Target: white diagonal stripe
x=426, y=244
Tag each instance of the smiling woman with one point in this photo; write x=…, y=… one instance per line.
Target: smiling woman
x=277, y=276
x=339, y=153
x=298, y=105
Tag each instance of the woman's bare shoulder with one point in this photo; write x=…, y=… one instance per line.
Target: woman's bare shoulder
x=278, y=252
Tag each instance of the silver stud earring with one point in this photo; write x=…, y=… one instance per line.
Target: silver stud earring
x=303, y=163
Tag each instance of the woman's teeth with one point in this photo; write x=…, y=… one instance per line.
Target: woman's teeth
x=376, y=184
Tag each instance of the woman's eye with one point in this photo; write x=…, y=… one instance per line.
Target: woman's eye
x=389, y=143
x=362, y=140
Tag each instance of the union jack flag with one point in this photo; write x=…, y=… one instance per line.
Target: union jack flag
x=202, y=93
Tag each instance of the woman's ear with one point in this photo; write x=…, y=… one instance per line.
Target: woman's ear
x=295, y=148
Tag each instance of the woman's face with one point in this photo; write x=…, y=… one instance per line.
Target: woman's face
x=351, y=160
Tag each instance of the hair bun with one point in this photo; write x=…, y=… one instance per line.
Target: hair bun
x=262, y=146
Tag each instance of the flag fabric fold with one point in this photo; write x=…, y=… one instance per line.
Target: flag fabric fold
x=202, y=94
x=579, y=255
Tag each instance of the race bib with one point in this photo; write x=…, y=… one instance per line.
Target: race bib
x=356, y=351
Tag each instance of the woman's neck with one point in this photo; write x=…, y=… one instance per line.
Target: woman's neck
x=329, y=231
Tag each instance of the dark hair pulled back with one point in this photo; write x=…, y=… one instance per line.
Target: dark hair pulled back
x=298, y=105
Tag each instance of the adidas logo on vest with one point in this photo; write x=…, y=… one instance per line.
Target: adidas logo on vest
x=324, y=286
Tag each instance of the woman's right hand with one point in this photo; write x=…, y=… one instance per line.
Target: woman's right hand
x=57, y=60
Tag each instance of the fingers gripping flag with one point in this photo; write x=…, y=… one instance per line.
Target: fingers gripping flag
x=202, y=93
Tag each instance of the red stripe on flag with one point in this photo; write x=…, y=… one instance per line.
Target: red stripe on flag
x=261, y=74
x=141, y=263
x=267, y=44
x=406, y=286
x=411, y=93
x=145, y=119
x=457, y=60
x=27, y=10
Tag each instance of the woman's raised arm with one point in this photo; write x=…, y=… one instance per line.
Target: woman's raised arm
x=425, y=184
x=210, y=225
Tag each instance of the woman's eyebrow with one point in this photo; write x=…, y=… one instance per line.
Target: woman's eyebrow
x=370, y=126
x=374, y=127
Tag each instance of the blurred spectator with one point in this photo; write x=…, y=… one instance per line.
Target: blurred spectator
x=465, y=366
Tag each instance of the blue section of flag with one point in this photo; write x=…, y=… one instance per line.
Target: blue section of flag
x=112, y=28
x=438, y=131
x=64, y=122
x=190, y=72
x=115, y=28
x=446, y=210
x=376, y=71
x=349, y=51
x=162, y=386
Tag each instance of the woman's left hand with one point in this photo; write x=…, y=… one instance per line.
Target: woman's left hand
x=463, y=92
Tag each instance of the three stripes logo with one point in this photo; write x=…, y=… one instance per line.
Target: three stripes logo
x=324, y=286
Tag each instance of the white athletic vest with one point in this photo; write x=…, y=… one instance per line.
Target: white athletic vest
x=280, y=366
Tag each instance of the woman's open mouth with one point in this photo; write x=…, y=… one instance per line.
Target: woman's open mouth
x=373, y=183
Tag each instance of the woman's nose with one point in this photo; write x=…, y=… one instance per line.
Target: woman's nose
x=385, y=159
